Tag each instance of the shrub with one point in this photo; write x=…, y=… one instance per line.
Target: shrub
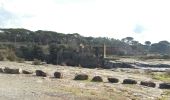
x=11, y=57
x=20, y=60
x=36, y=62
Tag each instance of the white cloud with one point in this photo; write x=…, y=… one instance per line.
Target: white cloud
x=111, y=18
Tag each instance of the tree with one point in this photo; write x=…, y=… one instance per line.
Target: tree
x=163, y=47
x=38, y=52
x=148, y=43
x=128, y=40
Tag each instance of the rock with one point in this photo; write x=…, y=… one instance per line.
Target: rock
x=113, y=80
x=24, y=71
x=164, y=86
x=81, y=77
x=40, y=73
x=97, y=79
x=58, y=75
x=10, y=71
x=117, y=64
x=129, y=81
x=148, y=83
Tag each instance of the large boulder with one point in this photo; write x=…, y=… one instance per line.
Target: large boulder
x=148, y=83
x=40, y=73
x=81, y=77
x=129, y=81
x=113, y=80
x=164, y=86
x=10, y=71
x=58, y=75
x=97, y=79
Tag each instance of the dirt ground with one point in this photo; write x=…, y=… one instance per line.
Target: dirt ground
x=31, y=87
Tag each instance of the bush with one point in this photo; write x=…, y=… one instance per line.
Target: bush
x=20, y=60
x=36, y=62
x=11, y=57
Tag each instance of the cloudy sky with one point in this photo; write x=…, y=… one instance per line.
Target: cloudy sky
x=141, y=19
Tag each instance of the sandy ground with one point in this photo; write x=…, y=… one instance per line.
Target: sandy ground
x=31, y=87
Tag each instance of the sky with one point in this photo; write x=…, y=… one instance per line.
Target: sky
x=141, y=19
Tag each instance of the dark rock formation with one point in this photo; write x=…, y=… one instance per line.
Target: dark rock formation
x=129, y=81
x=113, y=80
x=97, y=79
x=40, y=73
x=81, y=77
x=148, y=83
x=164, y=86
x=58, y=75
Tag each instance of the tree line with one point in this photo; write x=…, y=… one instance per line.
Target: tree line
x=72, y=49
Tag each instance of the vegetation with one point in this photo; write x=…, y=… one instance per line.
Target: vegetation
x=162, y=76
x=36, y=62
x=72, y=49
